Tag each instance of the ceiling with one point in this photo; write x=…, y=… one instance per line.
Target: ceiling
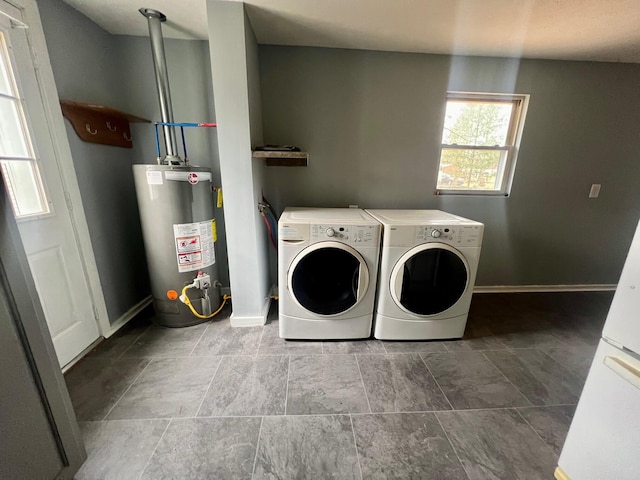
x=599, y=30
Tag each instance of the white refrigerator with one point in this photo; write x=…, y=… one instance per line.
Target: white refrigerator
x=604, y=438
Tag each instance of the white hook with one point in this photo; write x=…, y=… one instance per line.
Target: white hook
x=113, y=129
x=126, y=137
x=88, y=127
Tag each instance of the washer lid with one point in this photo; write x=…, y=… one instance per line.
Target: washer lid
x=328, y=278
x=429, y=279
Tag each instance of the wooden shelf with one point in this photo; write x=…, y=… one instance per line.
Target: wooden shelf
x=283, y=159
x=100, y=124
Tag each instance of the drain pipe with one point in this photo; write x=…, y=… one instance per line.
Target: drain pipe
x=155, y=19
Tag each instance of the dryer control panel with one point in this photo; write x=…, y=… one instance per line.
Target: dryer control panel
x=458, y=235
x=454, y=235
x=356, y=235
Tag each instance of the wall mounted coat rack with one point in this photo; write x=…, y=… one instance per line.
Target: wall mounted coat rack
x=100, y=124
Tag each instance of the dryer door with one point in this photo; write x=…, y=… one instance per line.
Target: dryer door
x=328, y=278
x=429, y=279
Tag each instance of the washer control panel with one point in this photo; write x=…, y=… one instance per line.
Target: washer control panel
x=463, y=236
x=357, y=235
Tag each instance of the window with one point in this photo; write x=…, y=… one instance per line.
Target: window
x=17, y=158
x=479, y=143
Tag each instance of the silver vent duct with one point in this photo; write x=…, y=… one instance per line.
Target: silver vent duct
x=155, y=19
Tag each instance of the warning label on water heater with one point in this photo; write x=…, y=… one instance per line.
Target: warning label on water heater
x=194, y=245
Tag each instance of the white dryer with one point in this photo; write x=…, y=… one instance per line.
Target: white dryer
x=427, y=273
x=327, y=272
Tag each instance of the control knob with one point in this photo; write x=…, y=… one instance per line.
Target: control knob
x=330, y=232
x=436, y=233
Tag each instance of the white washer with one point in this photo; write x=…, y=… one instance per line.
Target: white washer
x=427, y=273
x=327, y=272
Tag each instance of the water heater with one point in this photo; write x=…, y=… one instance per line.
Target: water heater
x=176, y=204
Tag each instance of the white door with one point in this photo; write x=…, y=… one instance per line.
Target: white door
x=31, y=172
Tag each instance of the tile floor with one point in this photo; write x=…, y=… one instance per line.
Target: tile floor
x=212, y=402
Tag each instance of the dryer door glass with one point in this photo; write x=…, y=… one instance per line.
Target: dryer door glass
x=325, y=281
x=433, y=281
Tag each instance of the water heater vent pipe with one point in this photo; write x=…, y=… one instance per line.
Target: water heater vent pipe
x=155, y=19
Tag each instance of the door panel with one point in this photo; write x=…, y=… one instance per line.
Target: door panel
x=49, y=239
x=328, y=278
x=429, y=279
x=51, y=275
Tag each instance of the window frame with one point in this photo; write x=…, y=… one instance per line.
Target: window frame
x=15, y=95
x=509, y=151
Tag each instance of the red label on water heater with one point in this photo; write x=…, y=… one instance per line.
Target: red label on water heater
x=193, y=178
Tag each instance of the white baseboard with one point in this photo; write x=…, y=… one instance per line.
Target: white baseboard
x=603, y=287
x=257, y=321
x=128, y=315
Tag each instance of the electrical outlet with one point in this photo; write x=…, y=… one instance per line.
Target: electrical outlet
x=595, y=190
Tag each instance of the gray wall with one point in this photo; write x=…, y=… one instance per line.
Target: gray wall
x=85, y=65
x=192, y=98
x=372, y=122
x=90, y=65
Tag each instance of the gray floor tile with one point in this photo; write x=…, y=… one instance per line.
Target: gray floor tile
x=509, y=319
x=223, y=339
x=414, y=347
x=574, y=336
x=469, y=380
x=530, y=339
x=576, y=359
x=160, y=341
x=169, y=387
x=272, y=344
x=404, y=446
x=492, y=443
x=307, y=448
x=498, y=445
x=352, y=346
x=325, y=384
x=577, y=340
x=551, y=423
x=116, y=345
x=476, y=337
x=96, y=383
x=400, y=383
x=577, y=330
x=248, y=386
x=119, y=450
x=206, y=448
x=540, y=378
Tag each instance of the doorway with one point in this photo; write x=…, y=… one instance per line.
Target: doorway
x=39, y=196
